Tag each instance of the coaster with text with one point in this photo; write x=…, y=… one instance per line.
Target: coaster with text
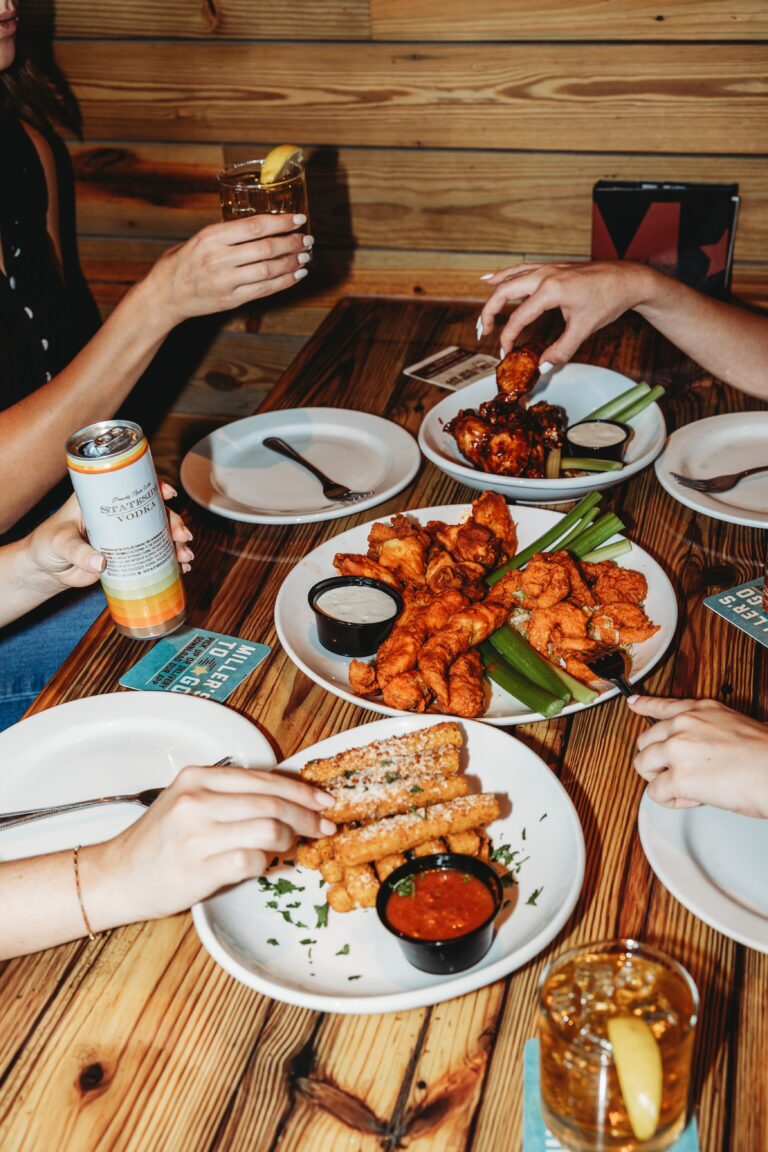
x=193, y=662
x=743, y=607
x=538, y=1138
x=453, y=368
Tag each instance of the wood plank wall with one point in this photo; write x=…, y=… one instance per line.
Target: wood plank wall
x=444, y=137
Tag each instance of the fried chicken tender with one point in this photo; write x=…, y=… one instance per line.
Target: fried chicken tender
x=445, y=574
x=491, y=511
x=407, y=692
x=466, y=686
x=616, y=585
x=622, y=624
x=362, y=678
x=464, y=630
x=540, y=584
x=399, y=652
x=550, y=629
x=349, y=564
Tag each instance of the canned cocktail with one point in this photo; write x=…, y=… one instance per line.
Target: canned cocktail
x=126, y=520
x=616, y=1025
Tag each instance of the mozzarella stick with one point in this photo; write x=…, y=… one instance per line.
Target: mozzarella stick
x=465, y=843
x=399, y=833
x=362, y=885
x=354, y=759
x=429, y=848
x=339, y=899
x=366, y=802
x=331, y=871
x=387, y=865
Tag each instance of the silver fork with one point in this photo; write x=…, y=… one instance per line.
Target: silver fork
x=331, y=489
x=147, y=797
x=717, y=483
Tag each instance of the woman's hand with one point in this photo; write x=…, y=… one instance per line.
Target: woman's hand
x=229, y=264
x=60, y=553
x=588, y=295
x=701, y=752
x=212, y=827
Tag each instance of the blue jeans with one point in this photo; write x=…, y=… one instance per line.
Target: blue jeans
x=33, y=648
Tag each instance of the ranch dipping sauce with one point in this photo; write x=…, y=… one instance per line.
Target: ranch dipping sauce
x=356, y=604
x=596, y=434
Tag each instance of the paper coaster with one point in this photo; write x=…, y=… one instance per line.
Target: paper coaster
x=538, y=1138
x=193, y=662
x=453, y=368
x=743, y=607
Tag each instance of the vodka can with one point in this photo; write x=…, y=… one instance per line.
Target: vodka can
x=126, y=520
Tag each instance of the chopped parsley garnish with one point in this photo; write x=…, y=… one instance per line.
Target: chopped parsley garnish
x=321, y=883
x=384, y=763
x=353, y=977
x=294, y=904
x=466, y=878
x=422, y=815
x=405, y=887
x=307, y=941
x=416, y=788
x=542, y=817
x=508, y=880
x=321, y=911
x=503, y=854
x=274, y=860
x=287, y=917
x=343, y=951
x=523, y=833
x=390, y=777
x=271, y=903
x=289, y=863
x=283, y=886
x=534, y=896
x=272, y=941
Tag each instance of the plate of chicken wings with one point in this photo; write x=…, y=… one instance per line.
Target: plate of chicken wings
x=439, y=559
x=495, y=434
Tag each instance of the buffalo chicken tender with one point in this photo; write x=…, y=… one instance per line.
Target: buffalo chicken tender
x=355, y=759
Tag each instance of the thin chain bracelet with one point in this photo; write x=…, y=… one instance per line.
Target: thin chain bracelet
x=86, y=921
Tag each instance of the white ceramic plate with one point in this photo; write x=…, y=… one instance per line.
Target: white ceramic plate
x=105, y=745
x=712, y=447
x=232, y=473
x=538, y=820
x=715, y=863
x=579, y=388
x=295, y=621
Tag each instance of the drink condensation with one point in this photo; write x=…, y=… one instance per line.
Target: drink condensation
x=125, y=519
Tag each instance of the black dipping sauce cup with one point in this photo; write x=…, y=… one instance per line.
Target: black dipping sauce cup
x=444, y=957
x=342, y=637
x=613, y=451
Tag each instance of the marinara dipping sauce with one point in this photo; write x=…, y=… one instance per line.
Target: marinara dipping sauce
x=441, y=909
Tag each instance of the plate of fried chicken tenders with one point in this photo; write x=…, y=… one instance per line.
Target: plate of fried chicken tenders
x=308, y=933
x=503, y=610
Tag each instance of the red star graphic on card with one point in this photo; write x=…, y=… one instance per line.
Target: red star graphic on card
x=717, y=254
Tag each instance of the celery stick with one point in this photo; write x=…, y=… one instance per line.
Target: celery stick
x=608, y=411
x=581, y=693
x=526, y=661
x=589, y=464
x=641, y=404
x=552, y=466
x=598, y=533
x=531, y=695
x=573, y=517
x=609, y=552
x=577, y=531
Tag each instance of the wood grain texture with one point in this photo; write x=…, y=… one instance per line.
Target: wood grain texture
x=401, y=198
x=488, y=20
x=203, y=19
x=137, y=1041
x=694, y=98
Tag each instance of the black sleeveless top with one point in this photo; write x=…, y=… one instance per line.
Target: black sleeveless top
x=43, y=321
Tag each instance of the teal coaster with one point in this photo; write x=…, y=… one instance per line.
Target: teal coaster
x=743, y=606
x=538, y=1138
x=193, y=662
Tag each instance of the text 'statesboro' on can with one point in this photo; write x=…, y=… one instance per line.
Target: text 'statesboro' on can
x=126, y=520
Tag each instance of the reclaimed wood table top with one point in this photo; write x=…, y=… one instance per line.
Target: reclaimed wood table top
x=137, y=1040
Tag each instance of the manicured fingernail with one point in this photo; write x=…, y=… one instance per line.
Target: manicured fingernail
x=303, y=257
x=545, y=366
x=502, y=353
x=188, y=535
x=324, y=800
x=488, y=276
x=300, y=273
x=327, y=827
x=299, y=218
x=171, y=491
x=97, y=563
x=188, y=554
x=479, y=327
x=632, y=699
x=186, y=568
x=308, y=241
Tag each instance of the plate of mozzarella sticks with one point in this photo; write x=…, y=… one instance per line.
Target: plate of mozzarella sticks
x=307, y=932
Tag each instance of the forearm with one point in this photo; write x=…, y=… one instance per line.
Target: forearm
x=92, y=387
x=727, y=341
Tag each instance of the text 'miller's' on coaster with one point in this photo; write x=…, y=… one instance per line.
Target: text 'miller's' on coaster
x=453, y=368
x=538, y=1138
x=193, y=662
x=743, y=606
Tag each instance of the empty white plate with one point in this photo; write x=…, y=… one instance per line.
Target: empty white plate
x=712, y=447
x=231, y=472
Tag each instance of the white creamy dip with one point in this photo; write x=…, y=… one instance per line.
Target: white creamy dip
x=596, y=433
x=356, y=604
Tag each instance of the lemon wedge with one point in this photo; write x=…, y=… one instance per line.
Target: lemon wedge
x=275, y=162
x=637, y=1057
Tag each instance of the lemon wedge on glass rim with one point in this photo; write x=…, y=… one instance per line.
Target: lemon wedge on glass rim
x=637, y=1057
x=275, y=164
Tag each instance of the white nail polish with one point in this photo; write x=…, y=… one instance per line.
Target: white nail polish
x=479, y=327
x=308, y=241
x=502, y=353
x=488, y=276
x=299, y=218
x=545, y=366
x=300, y=273
x=303, y=257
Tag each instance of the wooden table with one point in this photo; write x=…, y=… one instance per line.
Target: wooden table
x=138, y=1041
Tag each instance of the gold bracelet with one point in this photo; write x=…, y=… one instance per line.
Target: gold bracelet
x=86, y=921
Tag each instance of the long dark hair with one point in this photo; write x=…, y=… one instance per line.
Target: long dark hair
x=35, y=90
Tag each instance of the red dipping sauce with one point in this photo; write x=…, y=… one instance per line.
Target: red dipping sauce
x=439, y=904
